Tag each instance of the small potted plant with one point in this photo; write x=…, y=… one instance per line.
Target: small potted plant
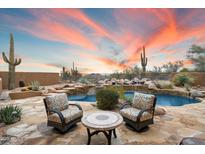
x=21, y=84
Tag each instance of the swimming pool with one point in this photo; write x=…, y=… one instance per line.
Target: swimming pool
x=162, y=99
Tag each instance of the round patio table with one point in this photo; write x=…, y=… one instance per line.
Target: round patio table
x=102, y=121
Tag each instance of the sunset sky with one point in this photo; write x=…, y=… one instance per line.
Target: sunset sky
x=99, y=40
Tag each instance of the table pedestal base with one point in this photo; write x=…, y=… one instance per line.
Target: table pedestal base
x=108, y=135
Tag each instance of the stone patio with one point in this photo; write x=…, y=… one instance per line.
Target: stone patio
x=179, y=122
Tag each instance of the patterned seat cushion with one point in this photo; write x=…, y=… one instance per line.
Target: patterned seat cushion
x=132, y=113
x=143, y=101
x=69, y=115
x=57, y=102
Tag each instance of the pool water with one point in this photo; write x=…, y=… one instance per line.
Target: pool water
x=162, y=99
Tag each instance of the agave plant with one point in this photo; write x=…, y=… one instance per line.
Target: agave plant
x=35, y=85
x=10, y=114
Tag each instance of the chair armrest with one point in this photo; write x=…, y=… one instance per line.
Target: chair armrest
x=78, y=106
x=141, y=112
x=59, y=114
x=126, y=104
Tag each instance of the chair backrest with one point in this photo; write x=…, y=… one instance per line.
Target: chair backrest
x=56, y=102
x=143, y=101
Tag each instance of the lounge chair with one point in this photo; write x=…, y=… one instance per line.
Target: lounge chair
x=140, y=113
x=60, y=113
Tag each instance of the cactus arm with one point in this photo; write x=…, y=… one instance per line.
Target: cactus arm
x=141, y=59
x=144, y=51
x=17, y=61
x=5, y=58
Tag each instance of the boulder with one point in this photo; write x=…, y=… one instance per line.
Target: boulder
x=59, y=88
x=4, y=95
x=151, y=85
x=2, y=129
x=196, y=93
x=160, y=110
x=51, y=90
x=101, y=82
x=145, y=79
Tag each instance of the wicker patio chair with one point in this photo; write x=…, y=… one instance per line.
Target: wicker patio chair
x=140, y=113
x=60, y=113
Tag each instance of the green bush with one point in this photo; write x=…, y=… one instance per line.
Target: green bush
x=10, y=114
x=119, y=89
x=184, y=70
x=35, y=85
x=183, y=79
x=107, y=99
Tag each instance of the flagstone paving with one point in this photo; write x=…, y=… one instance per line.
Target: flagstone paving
x=179, y=122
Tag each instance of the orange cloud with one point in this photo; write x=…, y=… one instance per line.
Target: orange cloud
x=54, y=31
x=80, y=16
x=107, y=61
x=172, y=32
x=187, y=62
x=168, y=33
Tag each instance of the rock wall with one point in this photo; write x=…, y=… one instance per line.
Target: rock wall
x=44, y=78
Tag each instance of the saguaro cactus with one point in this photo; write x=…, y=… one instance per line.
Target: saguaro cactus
x=143, y=60
x=13, y=62
x=74, y=72
x=65, y=74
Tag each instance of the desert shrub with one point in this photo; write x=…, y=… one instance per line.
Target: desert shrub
x=119, y=89
x=35, y=85
x=162, y=84
x=183, y=79
x=107, y=99
x=184, y=70
x=10, y=114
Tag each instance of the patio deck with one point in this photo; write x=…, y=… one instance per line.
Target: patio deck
x=179, y=122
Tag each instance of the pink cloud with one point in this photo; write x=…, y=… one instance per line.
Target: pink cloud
x=168, y=32
x=54, y=31
x=80, y=16
x=44, y=28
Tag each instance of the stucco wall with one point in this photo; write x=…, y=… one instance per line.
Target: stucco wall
x=1, y=85
x=27, y=77
x=198, y=76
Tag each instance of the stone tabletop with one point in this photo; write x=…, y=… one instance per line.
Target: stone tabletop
x=102, y=120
